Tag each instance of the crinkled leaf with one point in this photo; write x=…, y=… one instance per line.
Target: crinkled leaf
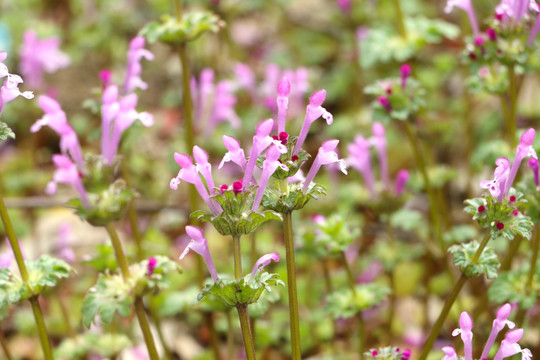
x=5, y=132
x=344, y=304
x=173, y=32
x=295, y=199
x=487, y=264
x=243, y=224
x=243, y=291
x=511, y=287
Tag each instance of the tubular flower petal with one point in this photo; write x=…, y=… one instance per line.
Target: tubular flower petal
x=67, y=173
x=270, y=164
x=497, y=185
x=199, y=245
x=235, y=152
x=524, y=149
x=498, y=324
x=360, y=160
x=283, y=90
x=314, y=110
x=135, y=54
x=325, y=156
x=264, y=261
x=465, y=5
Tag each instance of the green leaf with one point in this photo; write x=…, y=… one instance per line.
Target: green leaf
x=344, y=304
x=294, y=199
x=487, y=264
x=5, y=132
x=102, y=345
x=511, y=286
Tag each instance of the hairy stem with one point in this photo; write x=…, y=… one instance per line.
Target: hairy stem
x=400, y=19
x=352, y=286
x=246, y=332
x=291, y=287
x=230, y=336
x=4, y=345
x=237, y=257
x=512, y=111
x=42, y=330
x=450, y=301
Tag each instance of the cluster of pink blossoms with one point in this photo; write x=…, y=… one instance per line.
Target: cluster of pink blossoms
x=360, y=160
x=509, y=346
x=117, y=113
x=10, y=90
x=40, y=56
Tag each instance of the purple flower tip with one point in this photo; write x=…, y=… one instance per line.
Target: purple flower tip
x=152, y=263
x=105, y=77
x=405, y=70
x=264, y=261
x=183, y=160
x=492, y=34
x=330, y=145
x=479, y=40
x=465, y=321
x=194, y=232
x=378, y=129
x=533, y=164
x=223, y=188
x=317, y=98
x=284, y=87
x=137, y=42
x=527, y=138
x=49, y=105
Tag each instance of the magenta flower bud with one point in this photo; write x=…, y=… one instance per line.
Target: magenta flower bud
x=152, y=263
x=237, y=187
x=492, y=34
x=199, y=244
x=105, y=76
x=406, y=354
x=264, y=261
x=223, y=188
x=283, y=90
x=533, y=164
x=385, y=103
x=402, y=178
x=479, y=40
x=405, y=73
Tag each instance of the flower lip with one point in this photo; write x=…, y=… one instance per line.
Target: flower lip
x=194, y=232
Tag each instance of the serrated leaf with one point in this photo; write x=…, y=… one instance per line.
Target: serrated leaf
x=511, y=287
x=487, y=263
x=5, y=132
x=294, y=199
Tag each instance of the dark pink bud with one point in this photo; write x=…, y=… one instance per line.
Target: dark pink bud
x=533, y=164
x=284, y=87
x=481, y=208
x=512, y=199
x=478, y=41
x=405, y=73
x=498, y=16
x=237, y=187
x=283, y=137
x=515, y=213
x=385, y=103
x=500, y=226
x=472, y=56
x=223, y=188
x=406, y=354
x=105, y=77
x=492, y=34
x=152, y=263
x=389, y=91
x=294, y=158
x=374, y=353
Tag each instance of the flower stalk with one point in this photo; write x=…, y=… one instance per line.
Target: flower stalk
x=401, y=21
x=520, y=317
x=36, y=309
x=361, y=325
x=512, y=106
x=450, y=301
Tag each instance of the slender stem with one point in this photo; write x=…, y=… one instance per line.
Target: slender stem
x=132, y=216
x=291, y=287
x=361, y=335
x=118, y=251
x=154, y=316
x=38, y=315
x=435, y=221
x=214, y=339
x=512, y=112
x=327, y=277
x=139, y=306
x=520, y=317
x=350, y=278
x=512, y=250
x=65, y=315
x=237, y=257
x=450, y=301
x=246, y=332
x=42, y=330
x=5, y=347
x=253, y=256
x=10, y=232
x=145, y=328
x=230, y=336
x=352, y=287
x=400, y=19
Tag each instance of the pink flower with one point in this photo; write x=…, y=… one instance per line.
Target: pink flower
x=402, y=178
x=466, y=325
x=326, y=155
x=498, y=324
x=314, y=110
x=264, y=261
x=55, y=118
x=533, y=164
x=235, y=152
x=283, y=90
x=63, y=248
x=152, y=263
x=270, y=164
x=10, y=90
x=379, y=142
x=405, y=73
x=360, y=160
x=449, y=353
x=515, y=9
x=524, y=149
x=39, y=56
x=497, y=185
x=465, y=5
x=67, y=173
x=135, y=54
x=199, y=245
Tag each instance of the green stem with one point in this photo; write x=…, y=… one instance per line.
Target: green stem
x=38, y=315
x=450, y=301
x=42, y=330
x=145, y=328
x=433, y=205
x=237, y=257
x=5, y=347
x=214, y=339
x=512, y=95
x=400, y=19
x=520, y=317
x=246, y=332
x=230, y=337
x=327, y=277
x=139, y=306
x=352, y=286
x=65, y=315
x=254, y=258
x=154, y=316
x=291, y=287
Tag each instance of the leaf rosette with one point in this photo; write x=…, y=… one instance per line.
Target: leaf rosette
x=345, y=304
x=487, y=263
x=241, y=292
x=46, y=272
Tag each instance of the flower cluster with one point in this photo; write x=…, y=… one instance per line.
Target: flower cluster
x=280, y=156
x=40, y=56
x=10, y=90
x=118, y=114
x=360, y=160
x=509, y=346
